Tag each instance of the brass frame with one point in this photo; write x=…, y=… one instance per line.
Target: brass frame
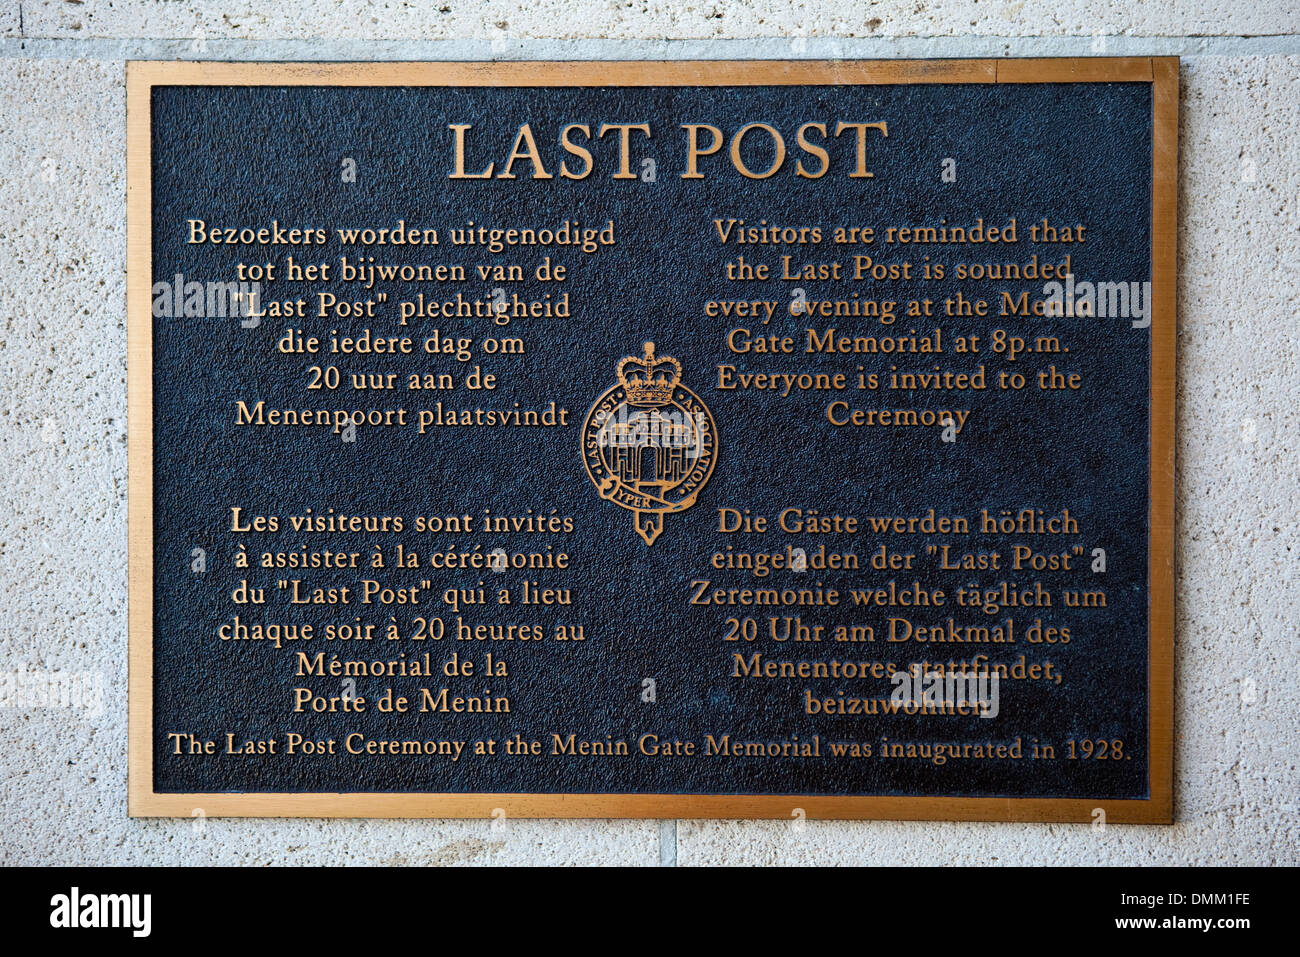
x=1161, y=72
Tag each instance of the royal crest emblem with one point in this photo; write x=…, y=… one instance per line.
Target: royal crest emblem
x=650, y=443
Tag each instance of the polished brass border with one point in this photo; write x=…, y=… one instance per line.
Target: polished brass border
x=1161, y=72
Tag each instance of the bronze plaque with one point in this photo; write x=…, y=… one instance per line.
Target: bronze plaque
x=728, y=439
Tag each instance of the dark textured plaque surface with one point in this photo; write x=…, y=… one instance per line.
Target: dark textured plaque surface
x=1079, y=152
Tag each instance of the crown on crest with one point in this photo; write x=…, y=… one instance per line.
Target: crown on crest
x=649, y=379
